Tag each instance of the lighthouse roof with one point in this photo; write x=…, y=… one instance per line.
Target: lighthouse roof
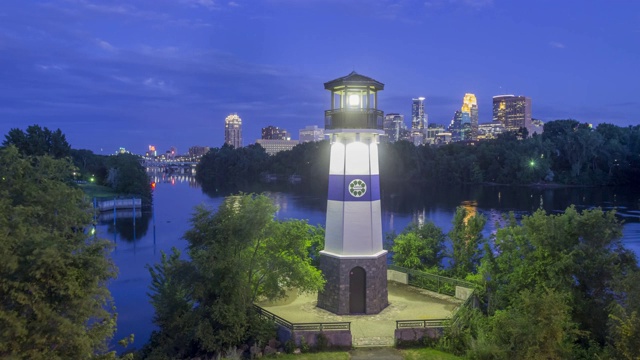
x=354, y=79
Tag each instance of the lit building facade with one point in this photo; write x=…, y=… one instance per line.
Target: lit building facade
x=455, y=125
x=274, y=146
x=394, y=127
x=233, y=131
x=197, y=151
x=537, y=127
x=432, y=132
x=311, y=133
x=514, y=112
x=353, y=261
x=490, y=130
x=418, y=121
x=275, y=133
x=470, y=106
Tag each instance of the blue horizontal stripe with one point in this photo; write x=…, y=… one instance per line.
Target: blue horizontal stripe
x=339, y=188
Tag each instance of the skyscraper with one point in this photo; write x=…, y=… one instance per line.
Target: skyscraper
x=394, y=126
x=514, y=112
x=418, y=121
x=455, y=128
x=233, y=131
x=470, y=106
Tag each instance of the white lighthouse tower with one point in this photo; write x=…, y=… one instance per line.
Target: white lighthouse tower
x=353, y=261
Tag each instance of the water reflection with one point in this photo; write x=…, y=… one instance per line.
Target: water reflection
x=128, y=225
x=158, y=176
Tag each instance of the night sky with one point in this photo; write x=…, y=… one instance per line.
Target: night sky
x=115, y=74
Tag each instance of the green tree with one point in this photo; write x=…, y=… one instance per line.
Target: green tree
x=419, y=247
x=54, y=303
x=466, y=239
x=537, y=326
x=237, y=255
x=38, y=141
x=128, y=177
x=90, y=165
x=576, y=254
x=625, y=333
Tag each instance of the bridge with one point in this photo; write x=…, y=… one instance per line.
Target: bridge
x=177, y=163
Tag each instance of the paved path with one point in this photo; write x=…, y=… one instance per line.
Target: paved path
x=405, y=303
x=376, y=353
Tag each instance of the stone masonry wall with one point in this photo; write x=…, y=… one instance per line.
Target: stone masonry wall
x=335, y=296
x=336, y=339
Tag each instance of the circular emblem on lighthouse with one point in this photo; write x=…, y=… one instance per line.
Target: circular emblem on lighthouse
x=357, y=188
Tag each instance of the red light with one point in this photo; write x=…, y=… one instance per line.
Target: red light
x=153, y=185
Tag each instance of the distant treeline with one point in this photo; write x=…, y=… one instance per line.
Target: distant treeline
x=568, y=152
x=123, y=173
x=227, y=169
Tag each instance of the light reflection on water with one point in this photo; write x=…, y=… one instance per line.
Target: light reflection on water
x=175, y=197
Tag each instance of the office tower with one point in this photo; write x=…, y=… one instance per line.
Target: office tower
x=233, y=131
x=470, y=106
x=394, y=126
x=455, y=128
x=275, y=133
x=514, y=112
x=465, y=126
x=311, y=133
x=353, y=261
x=418, y=121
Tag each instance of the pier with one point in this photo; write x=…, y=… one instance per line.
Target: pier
x=108, y=205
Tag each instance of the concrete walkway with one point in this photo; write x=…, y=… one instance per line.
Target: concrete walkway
x=405, y=303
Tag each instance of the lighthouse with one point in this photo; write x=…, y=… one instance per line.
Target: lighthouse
x=353, y=261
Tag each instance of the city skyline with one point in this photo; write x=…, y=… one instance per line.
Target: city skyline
x=167, y=73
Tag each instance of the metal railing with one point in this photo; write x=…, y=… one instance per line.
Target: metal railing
x=437, y=283
x=412, y=324
x=330, y=326
x=108, y=205
x=348, y=118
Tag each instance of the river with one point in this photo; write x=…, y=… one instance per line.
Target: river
x=175, y=197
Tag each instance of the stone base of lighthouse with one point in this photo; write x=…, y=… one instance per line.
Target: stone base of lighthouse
x=355, y=285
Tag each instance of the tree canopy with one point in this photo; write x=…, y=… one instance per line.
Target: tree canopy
x=54, y=303
x=420, y=247
x=38, y=141
x=236, y=255
x=556, y=286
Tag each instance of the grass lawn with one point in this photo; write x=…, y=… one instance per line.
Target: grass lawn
x=427, y=353
x=93, y=190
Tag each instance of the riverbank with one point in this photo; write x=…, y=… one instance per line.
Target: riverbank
x=539, y=185
x=97, y=191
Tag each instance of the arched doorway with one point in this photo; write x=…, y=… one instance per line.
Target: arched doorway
x=357, y=290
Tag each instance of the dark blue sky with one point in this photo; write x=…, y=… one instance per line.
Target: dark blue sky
x=167, y=72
